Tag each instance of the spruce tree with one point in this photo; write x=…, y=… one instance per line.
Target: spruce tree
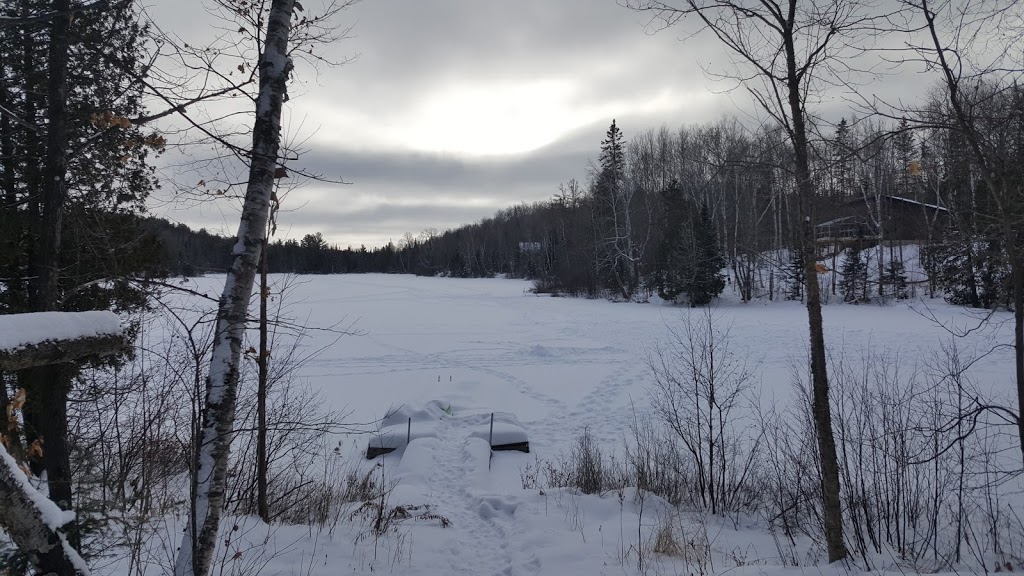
x=854, y=275
x=613, y=227
x=671, y=267
x=690, y=260
x=842, y=167
x=708, y=261
x=896, y=280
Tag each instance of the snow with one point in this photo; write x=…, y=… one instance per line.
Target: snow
x=911, y=201
x=51, y=514
x=507, y=429
x=20, y=330
x=446, y=353
x=403, y=425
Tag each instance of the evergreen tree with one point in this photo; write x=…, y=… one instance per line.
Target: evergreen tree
x=972, y=271
x=707, y=281
x=904, y=147
x=314, y=247
x=690, y=259
x=993, y=275
x=843, y=176
x=671, y=267
x=795, y=271
x=616, y=261
x=75, y=173
x=896, y=279
x=854, y=275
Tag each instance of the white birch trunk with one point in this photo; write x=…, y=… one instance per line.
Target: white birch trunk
x=214, y=437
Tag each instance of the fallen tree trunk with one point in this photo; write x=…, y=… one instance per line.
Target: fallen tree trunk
x=60, y=351
x=33, y=523
x=28, y=341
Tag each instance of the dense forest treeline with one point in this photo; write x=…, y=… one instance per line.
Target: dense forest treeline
x=664, y=211
x=187, y=252
x=644, y=218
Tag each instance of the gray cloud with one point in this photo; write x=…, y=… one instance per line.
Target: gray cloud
x=413, y=56
x=456, y=108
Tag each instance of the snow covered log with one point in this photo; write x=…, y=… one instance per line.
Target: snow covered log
x=32, y=521
x=39, y=339
x=42, y=338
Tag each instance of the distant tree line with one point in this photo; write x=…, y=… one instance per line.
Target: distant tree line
x=667, y=212
x=187, y=252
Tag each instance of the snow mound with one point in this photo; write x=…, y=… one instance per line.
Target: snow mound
x=404, y=424
x=507, y=430
x=540, y=351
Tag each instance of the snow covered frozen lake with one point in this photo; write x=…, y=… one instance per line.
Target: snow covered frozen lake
x=467, y=347
x=562, y=364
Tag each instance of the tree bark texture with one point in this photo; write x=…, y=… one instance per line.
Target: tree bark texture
x=213, y=444
x=47, y=386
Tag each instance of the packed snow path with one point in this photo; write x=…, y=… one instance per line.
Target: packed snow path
x=450, y=470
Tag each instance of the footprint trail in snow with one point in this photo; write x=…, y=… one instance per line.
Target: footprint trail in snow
x=453, y=469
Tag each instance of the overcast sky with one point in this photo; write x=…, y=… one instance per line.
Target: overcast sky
x=454, y=109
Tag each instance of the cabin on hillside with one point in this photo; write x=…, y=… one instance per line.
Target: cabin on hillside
x=901, y=219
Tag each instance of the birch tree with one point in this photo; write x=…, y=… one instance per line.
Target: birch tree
x=214, y=438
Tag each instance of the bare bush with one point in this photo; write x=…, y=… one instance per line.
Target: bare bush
x=699, y=395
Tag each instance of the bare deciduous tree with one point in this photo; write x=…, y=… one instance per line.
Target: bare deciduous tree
x=214, y=442
x=783, y=51
x=975, y=47
x=700, y=383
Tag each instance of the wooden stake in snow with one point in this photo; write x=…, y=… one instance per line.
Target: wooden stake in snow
x=214, y=436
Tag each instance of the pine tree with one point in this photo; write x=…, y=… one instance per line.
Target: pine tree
x=854, y=275
x=707, y=281
x=896, y=279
